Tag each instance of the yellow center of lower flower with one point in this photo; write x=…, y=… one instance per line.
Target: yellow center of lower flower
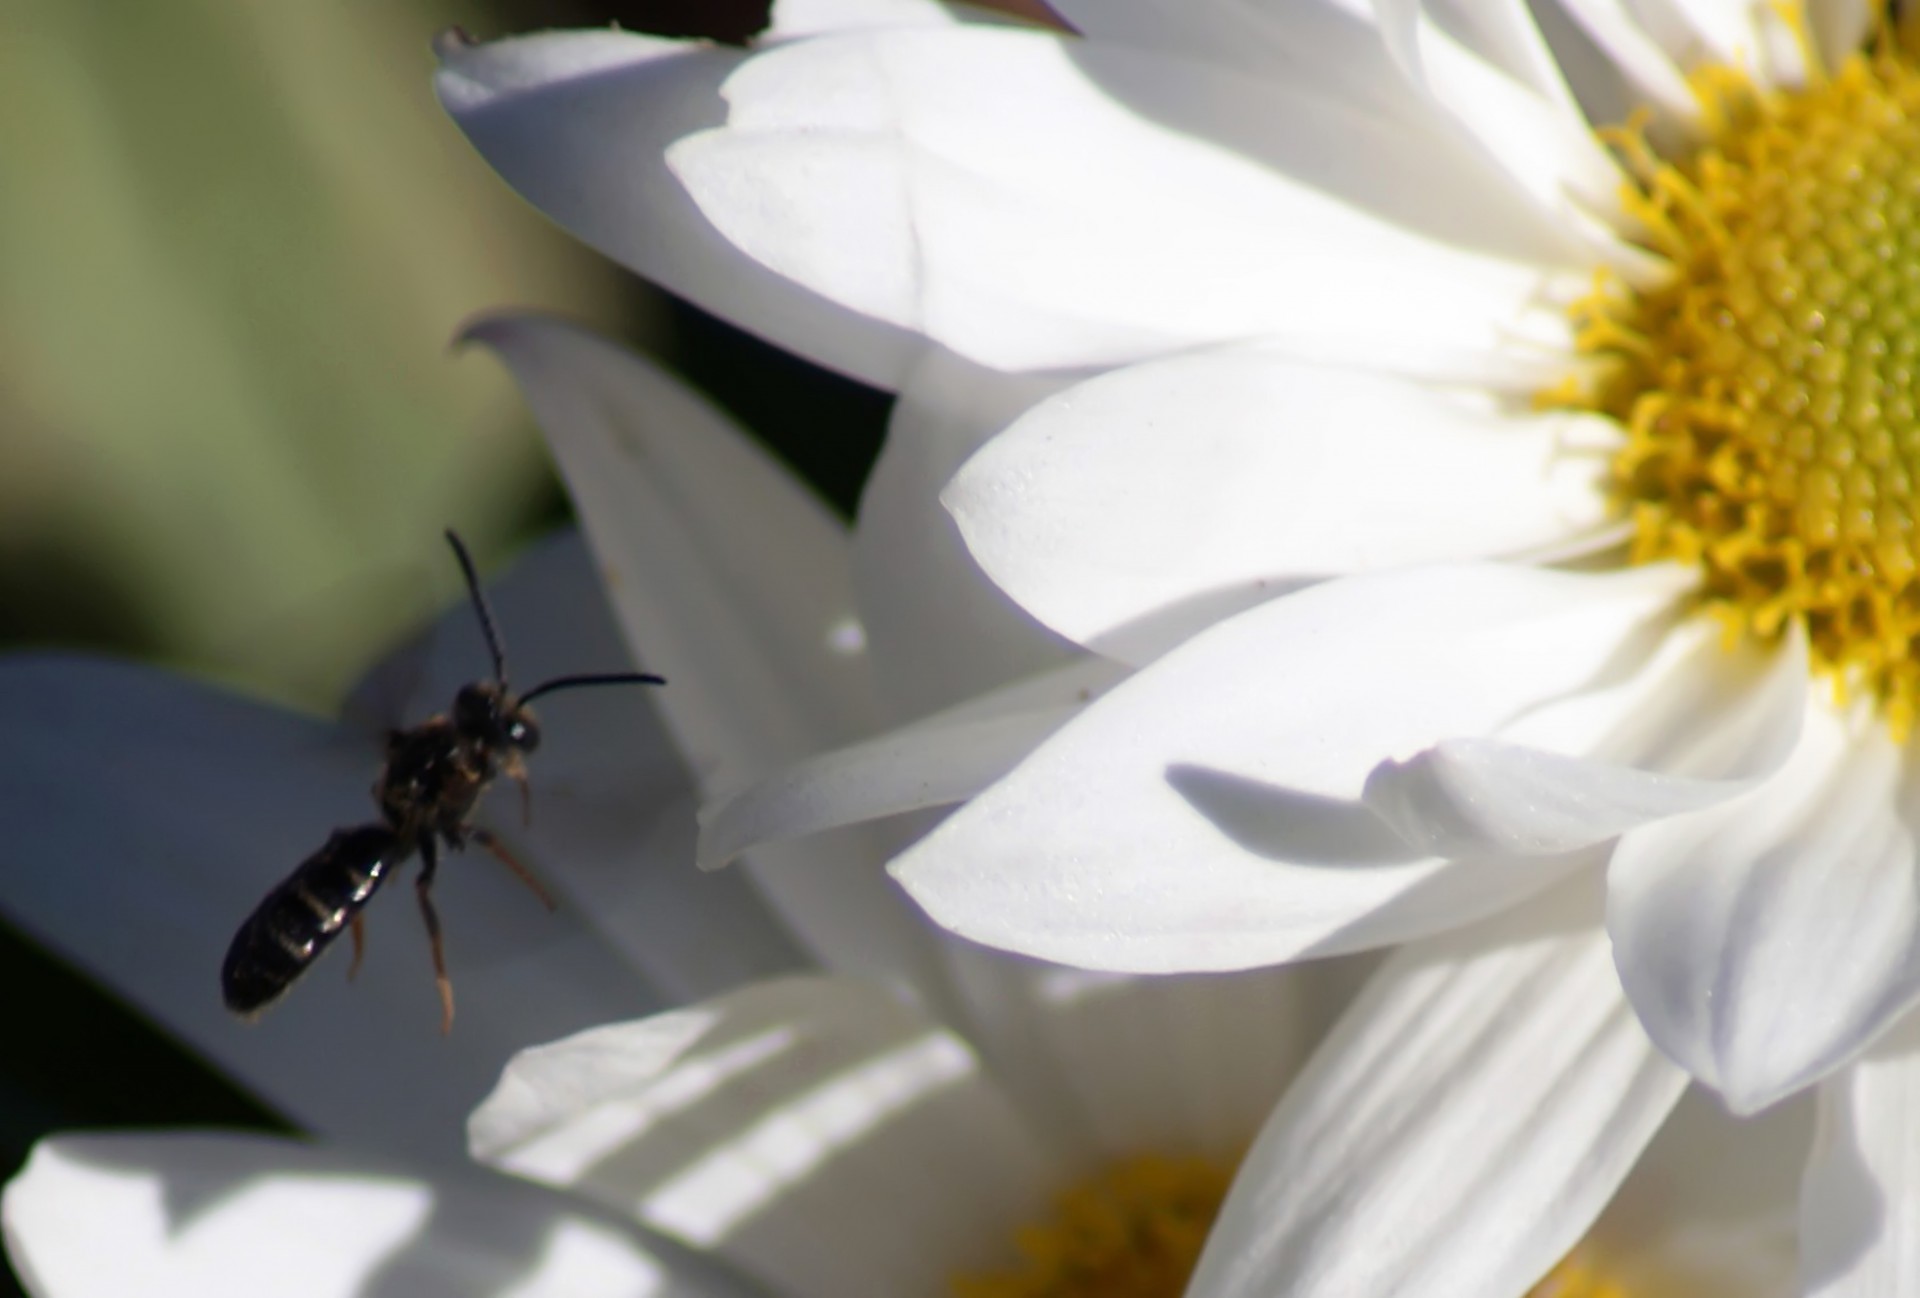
x=1770, y=388
x=1576, y=1277
x=1133, y=1230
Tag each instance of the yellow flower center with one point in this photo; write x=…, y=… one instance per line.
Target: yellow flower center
x=1576, y=1277
x=1769, y=387
x=1132, y=1230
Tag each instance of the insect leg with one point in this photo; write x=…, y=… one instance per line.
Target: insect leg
x=359, y=945
x=486, y=839
x=423, y=886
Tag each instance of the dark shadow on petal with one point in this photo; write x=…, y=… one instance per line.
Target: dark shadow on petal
x=1287, y=825
x=1850, y=1201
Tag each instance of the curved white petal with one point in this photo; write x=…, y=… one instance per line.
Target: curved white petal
x=201, y=1216
x=1034, y=201
x=1464, y=1124
x=1205, y=813
x=1464, y=797
x=580, y=123
x=895, y=773
x=1486, y=67
x=938, y=631
x=1648, y=66
x=937, y=762
x=817, y=1132
x=171, y=807
x=729, y=578
x=1765, y=941
x=731, y=581
x=1203, y=480
x=1860, y=1201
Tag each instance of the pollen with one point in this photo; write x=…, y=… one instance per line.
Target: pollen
x=1132, y=1230
x=1769, y=385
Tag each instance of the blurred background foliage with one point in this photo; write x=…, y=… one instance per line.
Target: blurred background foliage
x=235, y=239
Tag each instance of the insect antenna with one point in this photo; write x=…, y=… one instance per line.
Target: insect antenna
x=487, y=628
x=608, y=678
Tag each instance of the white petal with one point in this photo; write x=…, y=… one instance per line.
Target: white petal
x=986, y=186
x=1490, y=72
x=1204, y=814
x=1840, y=27
x=1116, y=1064
x=1326, y=43
x=795, y=18
x=1711, y=1208
x=816, y=1132
x=938, y=631
x=1474, y=796
x=579, y=123
x=1201, y=481
x=1860, y=1201
x=1749, y=36
x=731, y=581
x=1648, y=66
x=204, y=1216
x=1464, y=1124
x=729, y=578
x=1767, y=940
x=936, y=763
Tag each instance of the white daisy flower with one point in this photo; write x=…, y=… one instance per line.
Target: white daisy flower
x=1571, y=340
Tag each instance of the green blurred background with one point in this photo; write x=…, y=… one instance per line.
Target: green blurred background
x=235, y=239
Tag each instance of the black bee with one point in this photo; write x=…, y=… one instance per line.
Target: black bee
x=434, y=775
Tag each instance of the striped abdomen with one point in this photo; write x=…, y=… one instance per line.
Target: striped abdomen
x=299, y=919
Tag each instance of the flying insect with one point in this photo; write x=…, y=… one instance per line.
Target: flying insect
x=434, y=775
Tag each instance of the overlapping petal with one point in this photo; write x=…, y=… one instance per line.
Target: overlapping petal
x=1461, y=1128
x=775, y=1125
x=937, y=630
x=934, y=763
x=1769, y=939
x=580, y=123
x=981, y=185
x=732, y=581
x=1104, y=509
x=1110, y=1064
x=1206, y=814
x=1711, y=1208
x=1487, y=68
x=1701, y=724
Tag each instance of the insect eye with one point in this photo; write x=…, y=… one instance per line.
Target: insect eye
x=524, y=734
